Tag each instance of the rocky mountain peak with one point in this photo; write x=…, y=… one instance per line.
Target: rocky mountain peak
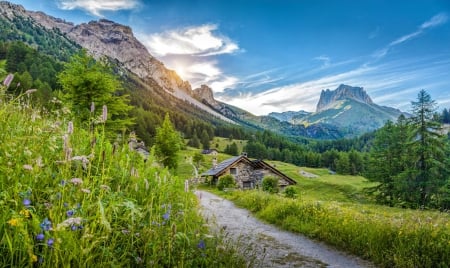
x=205, y=93
x=9, y=10
x=329, y=97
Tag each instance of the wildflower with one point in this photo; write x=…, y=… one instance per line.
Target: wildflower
x=26, y=213
x=186, y=186
x=125, y=231
x=13, y=222
x=87, y=191
x=50, y=242
x=30, y=91
x=76, y=181
x=9, y=78
x=26, y=202
x=68, y=153
x=28, y=167
x=70, y=213
x=65, y=204
x=63, y=182
x=74, y=227
x=34, y=258
x=201, y=244
x=105, y=187
x=70, y=127
x=104, y=113
x=70, y=222
x=46, y=225
x=40, y=237
x=138, y=259
x=92, y=107
x=166, y=215
x=48, y=205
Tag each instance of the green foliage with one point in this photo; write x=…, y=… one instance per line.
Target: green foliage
x=87, y=82
x=198, y=159
x=226, y=181
x=270, y=184
x=70, y=198
x=388, y=237
x=167, y=144
x=232, y=149
x=291, y=191
x=410, y=159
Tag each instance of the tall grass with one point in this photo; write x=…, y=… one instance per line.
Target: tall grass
x=389, y=237
x=69, y=197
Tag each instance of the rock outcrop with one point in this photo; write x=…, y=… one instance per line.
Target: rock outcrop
x=329, y=97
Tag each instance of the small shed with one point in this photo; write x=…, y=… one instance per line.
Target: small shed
x=213, y=152
x=247, y=173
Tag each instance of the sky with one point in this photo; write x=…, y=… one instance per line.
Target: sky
x=278, y=55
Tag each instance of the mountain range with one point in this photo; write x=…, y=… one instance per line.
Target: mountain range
x=345, y=112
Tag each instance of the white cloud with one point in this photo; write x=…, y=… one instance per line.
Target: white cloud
x=436, y=20
x=196, y=40
x=324, y=59
x=95, y=7
x=191, y=52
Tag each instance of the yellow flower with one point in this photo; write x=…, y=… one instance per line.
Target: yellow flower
x=26, y=213
x=34, y=258
x=13, y=222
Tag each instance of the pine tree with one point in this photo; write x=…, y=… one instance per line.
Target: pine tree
x=428, y=147
x=167, y=144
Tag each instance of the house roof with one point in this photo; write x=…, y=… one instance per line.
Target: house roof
x=208, y=151
x=222, y=166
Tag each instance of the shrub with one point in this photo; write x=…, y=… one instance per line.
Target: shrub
x=270, y=184
x=291, y=191
x=226, y=181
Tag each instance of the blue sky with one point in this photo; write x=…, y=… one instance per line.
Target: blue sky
x=278, y=55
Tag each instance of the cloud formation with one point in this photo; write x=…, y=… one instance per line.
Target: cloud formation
x=436, y=20
x=197, y=40
x=192, y=52
x=96, y=7
x=386, y=83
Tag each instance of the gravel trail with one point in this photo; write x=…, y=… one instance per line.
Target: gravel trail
x=272, y=247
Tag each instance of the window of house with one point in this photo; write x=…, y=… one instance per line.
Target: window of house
x=233, y=171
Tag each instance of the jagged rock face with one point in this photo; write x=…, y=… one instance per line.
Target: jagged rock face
x=117, y=41
x=205, y=94
x=330, y=97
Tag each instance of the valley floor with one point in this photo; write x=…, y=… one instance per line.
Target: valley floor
x=267, y=245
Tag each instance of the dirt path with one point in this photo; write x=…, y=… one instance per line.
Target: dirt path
x=272, y=246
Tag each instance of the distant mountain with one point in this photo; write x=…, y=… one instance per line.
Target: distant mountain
x=349, y=109
x=289, y=115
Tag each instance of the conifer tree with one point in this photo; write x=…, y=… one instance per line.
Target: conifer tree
x=167, y=144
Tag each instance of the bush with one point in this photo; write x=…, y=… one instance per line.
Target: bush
x=291, y=191
x=270, y=184
x=226, y=181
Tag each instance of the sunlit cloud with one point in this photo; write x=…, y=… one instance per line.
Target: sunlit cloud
x=96, y=7
x=436, y=20
x=192, y=52
x=196, y=40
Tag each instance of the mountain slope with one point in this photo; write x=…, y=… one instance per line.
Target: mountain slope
x=350, y=109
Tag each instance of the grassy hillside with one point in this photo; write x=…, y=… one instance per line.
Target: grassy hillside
x=70, y=198
x=335, y=209
x=220, y=143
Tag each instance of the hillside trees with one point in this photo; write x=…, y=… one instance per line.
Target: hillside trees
x=86, y=81
x=409, y=159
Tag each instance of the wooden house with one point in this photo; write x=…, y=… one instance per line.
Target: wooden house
x=247, y=173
